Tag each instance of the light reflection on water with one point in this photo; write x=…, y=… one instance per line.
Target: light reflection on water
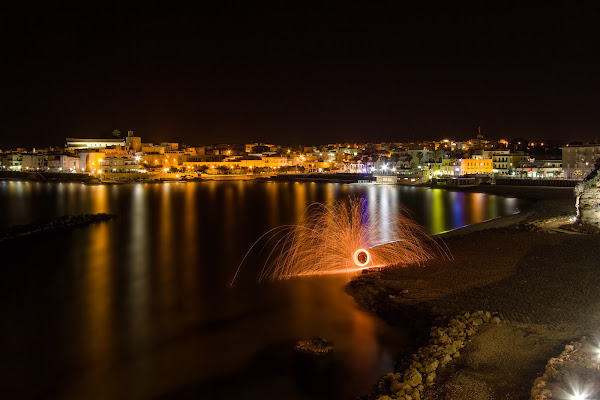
x=140, y=306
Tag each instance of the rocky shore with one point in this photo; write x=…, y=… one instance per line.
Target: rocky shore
x=575, y=373
x=543, y=283
x=420, y=371
x=64, y=222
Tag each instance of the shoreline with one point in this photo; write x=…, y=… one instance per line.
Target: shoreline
x=543, y=284
x=345, y=178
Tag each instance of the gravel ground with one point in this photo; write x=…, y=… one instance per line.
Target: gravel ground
x=545, y=285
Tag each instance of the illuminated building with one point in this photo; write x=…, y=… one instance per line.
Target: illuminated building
x=505, y=162
x=578, y=161
x=470, y=166
x=33, y=162
x=133, y=142
x=12, y=161
x=540, y=169
x=63, y=163
x=82, y=144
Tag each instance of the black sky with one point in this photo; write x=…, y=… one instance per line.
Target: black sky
x=311, y=74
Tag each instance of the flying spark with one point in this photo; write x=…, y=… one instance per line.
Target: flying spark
x=342, y=238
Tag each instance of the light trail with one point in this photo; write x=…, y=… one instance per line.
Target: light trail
x=328, y=238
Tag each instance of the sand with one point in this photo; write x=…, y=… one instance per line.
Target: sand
x=545, y=284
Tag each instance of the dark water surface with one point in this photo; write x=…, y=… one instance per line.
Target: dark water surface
x=141, y=307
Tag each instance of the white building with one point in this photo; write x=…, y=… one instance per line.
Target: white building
x=33, y=162
x=63, y=163
x=120, y=164
x=12, y=162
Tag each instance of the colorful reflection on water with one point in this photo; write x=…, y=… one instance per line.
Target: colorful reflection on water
x=141, y=307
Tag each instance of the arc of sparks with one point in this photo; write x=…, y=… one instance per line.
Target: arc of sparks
x=342, y=238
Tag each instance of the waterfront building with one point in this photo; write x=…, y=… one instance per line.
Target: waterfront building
x=385, y=178
x=12, y=161
x=355, y=167
x=249, y=163
x=314, y=166
x=450, y=167
x=90, y=161
x=274, y=162
x=33, y=162
x=533, y=168
x=166, y=160
x=578, y=161
x=62, y=163
x=470, y=166
x=505, y=162
x=119, y=164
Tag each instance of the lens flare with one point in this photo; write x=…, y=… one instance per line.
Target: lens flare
x=341, y=238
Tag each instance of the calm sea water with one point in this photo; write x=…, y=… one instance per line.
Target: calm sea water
x=141, y=306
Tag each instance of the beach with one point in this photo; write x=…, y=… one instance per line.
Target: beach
x=544, y=284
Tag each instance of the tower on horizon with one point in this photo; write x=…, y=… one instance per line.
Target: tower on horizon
x=479, y=135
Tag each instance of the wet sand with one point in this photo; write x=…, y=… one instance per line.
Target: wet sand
x=545, y=285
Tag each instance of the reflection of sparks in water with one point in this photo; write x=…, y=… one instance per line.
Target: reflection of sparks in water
x=342, y=238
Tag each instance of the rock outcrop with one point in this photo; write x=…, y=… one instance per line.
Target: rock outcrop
x=589, y=206
x=316, y=346
x=587, y=194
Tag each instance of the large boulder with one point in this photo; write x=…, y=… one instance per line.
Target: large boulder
x=589, y=206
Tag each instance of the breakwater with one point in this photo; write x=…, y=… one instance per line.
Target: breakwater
x=46, y=176
x=64, y=222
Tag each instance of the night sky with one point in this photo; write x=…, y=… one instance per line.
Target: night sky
x=317, y=74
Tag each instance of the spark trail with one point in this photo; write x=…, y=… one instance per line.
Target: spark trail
x=342, y=238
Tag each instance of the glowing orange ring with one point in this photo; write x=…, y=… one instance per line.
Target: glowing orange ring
x=357, y=261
